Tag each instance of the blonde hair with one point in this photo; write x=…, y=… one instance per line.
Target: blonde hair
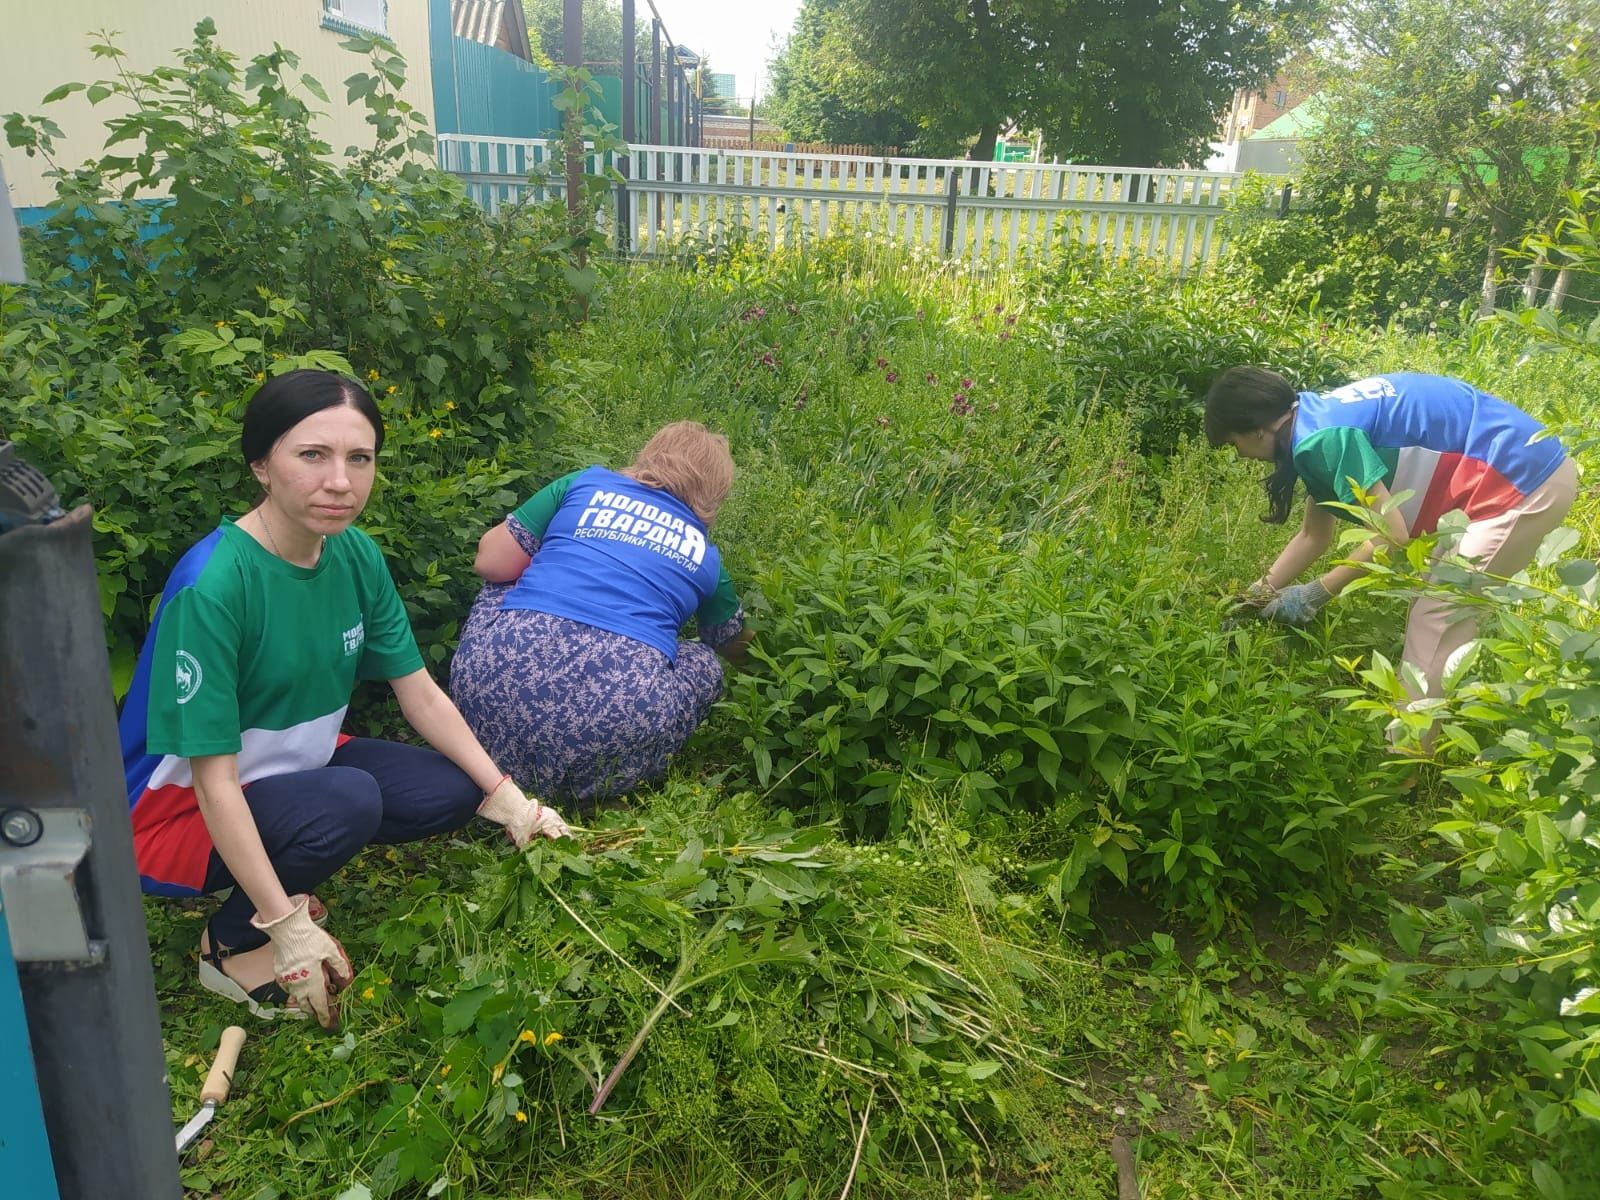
x=688, y=460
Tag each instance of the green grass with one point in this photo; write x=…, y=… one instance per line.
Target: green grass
x=922, y=996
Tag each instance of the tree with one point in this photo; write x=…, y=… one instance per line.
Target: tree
x=816, y=91
x=602, y=31
x=1121, y=81
x=1487, y=96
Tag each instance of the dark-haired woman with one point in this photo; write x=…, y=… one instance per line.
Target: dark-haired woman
x=1441, y=443
x=238, y=775
x=570, y=666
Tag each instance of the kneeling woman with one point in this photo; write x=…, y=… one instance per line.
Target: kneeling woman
x=1445, y=442
x=570, y=669
x=238, y=776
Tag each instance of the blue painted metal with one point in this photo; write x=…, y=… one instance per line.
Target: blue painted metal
x=482, y=90
x=25, y=1162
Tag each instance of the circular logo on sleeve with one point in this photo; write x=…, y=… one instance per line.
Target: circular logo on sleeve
x=189, y=676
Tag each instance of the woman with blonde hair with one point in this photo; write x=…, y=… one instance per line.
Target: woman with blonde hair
x=570, y=669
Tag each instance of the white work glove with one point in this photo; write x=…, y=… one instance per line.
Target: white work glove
x=311, y=965
x=1259, y=593
x=1298, y=604
x=522, y=818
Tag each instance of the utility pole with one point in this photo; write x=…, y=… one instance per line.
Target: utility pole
x=754, y=87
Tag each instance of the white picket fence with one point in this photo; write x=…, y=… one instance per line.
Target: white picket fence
x=986, y=212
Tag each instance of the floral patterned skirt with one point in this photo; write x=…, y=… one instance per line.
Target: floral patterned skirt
x=576, y=713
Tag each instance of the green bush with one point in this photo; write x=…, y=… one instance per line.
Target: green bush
x=1132, y=338
x=1371, y=256
x=1499, y=914
x=1052, y=673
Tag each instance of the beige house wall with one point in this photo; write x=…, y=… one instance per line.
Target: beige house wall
x=45, y=44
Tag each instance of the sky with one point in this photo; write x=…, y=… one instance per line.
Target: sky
x=736, y=34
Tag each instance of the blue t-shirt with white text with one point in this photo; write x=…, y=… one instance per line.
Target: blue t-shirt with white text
x=624, y=557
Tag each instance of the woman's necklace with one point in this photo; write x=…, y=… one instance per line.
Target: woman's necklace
x=262, y=513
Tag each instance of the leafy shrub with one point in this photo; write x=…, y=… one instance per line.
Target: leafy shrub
x=387, y=259
x=1134, y=339
x=1051, y=672
x=1498, y=922
x=1368, y=255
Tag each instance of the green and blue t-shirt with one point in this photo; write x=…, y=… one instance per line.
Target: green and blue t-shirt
x=1445, y=442
x=621, y=556
x=253, y=656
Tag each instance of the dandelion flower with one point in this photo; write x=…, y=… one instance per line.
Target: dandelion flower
x=392, y=389
x=367, y=993
x=450, y=404
x=529, y=1036
x=551, y=1038
x=522, y=1116
x=444, y=1070
x=436, y=433
x=372, y=373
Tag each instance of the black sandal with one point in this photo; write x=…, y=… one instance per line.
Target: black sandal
x=268, y=1001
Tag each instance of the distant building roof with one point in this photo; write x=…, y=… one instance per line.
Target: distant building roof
x=1301, y=121
x=498, y=23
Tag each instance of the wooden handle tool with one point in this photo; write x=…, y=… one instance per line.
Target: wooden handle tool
x=219, y=1081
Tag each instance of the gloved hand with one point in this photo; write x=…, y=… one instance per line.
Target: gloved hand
x=311, y=965
x=1296, y=605
x=521, y=817
x=1259, y=593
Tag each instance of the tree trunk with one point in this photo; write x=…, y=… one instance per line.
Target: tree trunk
x=1558, y=293
x=1491, y=265
x=983, y=148
x=1530, y=287
x=1491, y=271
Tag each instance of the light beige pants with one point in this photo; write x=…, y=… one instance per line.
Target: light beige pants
x=1501, y=545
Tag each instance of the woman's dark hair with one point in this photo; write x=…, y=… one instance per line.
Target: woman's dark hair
x=1243, y=400
x=283, y=401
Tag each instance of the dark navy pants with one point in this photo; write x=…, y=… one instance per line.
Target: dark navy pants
x=313, y=822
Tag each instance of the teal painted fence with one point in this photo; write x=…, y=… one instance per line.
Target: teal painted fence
x=485, y=92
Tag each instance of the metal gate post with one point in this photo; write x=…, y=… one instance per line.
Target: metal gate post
x=953, y=178
x=74, y=914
